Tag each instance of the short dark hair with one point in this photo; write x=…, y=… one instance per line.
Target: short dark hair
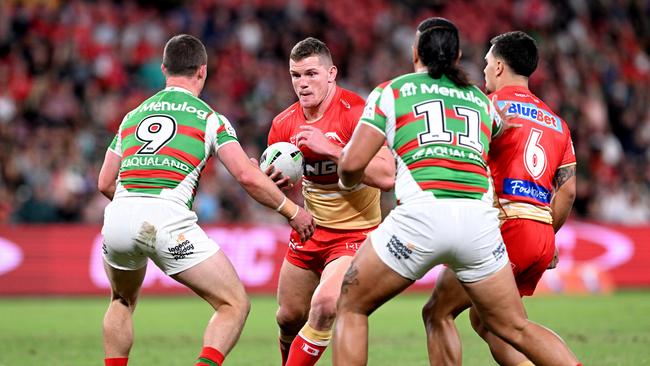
x=518, y=50
x=310, y=47
x=438, y=48
x=183, y=55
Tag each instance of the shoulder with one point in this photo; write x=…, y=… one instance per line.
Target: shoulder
x=286, y=115
x=350, y=99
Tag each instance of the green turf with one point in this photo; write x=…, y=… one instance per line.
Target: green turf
x=602, y=330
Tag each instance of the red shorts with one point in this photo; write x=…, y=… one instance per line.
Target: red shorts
x=530, y=246
x=324, y=246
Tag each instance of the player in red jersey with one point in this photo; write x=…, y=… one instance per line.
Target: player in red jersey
x=320, y=123
x=533, y=169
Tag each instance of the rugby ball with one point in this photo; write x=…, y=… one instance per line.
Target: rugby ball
x=284, y=157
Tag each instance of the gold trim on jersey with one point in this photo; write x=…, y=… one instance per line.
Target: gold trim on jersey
x=346, y=210
x=520, y=210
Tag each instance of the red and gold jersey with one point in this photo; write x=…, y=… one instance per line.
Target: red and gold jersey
x=330, y=206
x=523, y=161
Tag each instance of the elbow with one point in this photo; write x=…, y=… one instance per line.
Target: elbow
x=104, y=188
x=246, y=178
x=386, y=184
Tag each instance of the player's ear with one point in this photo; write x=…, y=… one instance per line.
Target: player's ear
x=415, y=56
x=500, y=67
x=332, y=74
x=460, y=54
x=203, y=72
x=162, y=68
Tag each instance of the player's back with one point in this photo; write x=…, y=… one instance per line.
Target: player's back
x=440, y=133
x=523, y=161
x=165, y=143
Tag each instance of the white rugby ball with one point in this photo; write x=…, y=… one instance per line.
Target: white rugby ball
x=284, y=157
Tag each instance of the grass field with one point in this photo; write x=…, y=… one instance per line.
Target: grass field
x=602, y=330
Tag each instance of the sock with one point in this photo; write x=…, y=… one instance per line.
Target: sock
x=210, y=357
x=308, y=346
x=526, y=363
x=118, y=361
x=285, y=346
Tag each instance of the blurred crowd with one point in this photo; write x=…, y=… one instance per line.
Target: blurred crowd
x=70, y=70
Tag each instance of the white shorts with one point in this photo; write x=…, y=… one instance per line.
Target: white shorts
x=461, y=233
x=137, y=228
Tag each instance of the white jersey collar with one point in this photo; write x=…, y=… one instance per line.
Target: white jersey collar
x=178, y=89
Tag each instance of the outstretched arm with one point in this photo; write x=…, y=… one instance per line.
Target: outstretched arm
x=263, y=190
x=565, y=194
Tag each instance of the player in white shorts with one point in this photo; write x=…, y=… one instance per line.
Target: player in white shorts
x=151, y=172
x=439, y=127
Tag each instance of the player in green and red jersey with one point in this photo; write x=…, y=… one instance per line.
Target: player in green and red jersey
x=151, y=172
x=533, y=170
x=439, y=128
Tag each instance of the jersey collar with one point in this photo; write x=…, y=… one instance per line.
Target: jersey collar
x=178, y=89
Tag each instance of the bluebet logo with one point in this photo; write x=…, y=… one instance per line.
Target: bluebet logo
x=524, y=188
x=533, y=113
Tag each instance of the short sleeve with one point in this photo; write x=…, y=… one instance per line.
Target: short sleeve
x=495, y=118
x=372, y=112
x=222, y=131
x=569, y=156
x=115, y=145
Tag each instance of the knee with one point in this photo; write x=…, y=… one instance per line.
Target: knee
x=238, y=304
x=290, y=319
x=126, y=301
x=511, y=330
x=323, y=308
x=434, y=314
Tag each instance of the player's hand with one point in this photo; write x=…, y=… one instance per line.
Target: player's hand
x=276, y=176
x=555, y=259
x=508, y=119
x=315, y=140
x=303, y=224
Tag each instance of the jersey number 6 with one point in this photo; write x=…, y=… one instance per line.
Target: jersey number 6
x=155, y=131
x=534, y=154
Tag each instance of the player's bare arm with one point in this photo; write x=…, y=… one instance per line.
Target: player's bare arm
x=380, y=172
x=108, y=174
x=565, y=194
x=355, y=158
x=263, y=190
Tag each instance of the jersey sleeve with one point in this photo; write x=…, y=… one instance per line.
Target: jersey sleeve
x=497, y=122
x=223, y=132
x=569, y=156
x=115, y=145
x=373, y=115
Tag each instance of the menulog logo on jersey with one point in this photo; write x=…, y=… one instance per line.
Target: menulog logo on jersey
x=532, y=113
x=176, y=107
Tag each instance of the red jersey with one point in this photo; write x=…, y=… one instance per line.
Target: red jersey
x=330, y=206
x=523, y=161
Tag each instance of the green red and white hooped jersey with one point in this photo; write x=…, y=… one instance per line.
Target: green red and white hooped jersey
x=165, y=143
x=439, y=134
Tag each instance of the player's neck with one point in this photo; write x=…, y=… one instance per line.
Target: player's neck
x=315, y=113
x=513, y=81
x=185, y=83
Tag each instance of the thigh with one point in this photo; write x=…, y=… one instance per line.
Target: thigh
x=496, y=300
x=214, y=279
x=369, y=282
x=331, y=279
x=448, y=297
x=125, y=284
x=295, y=289
x=530, y=245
